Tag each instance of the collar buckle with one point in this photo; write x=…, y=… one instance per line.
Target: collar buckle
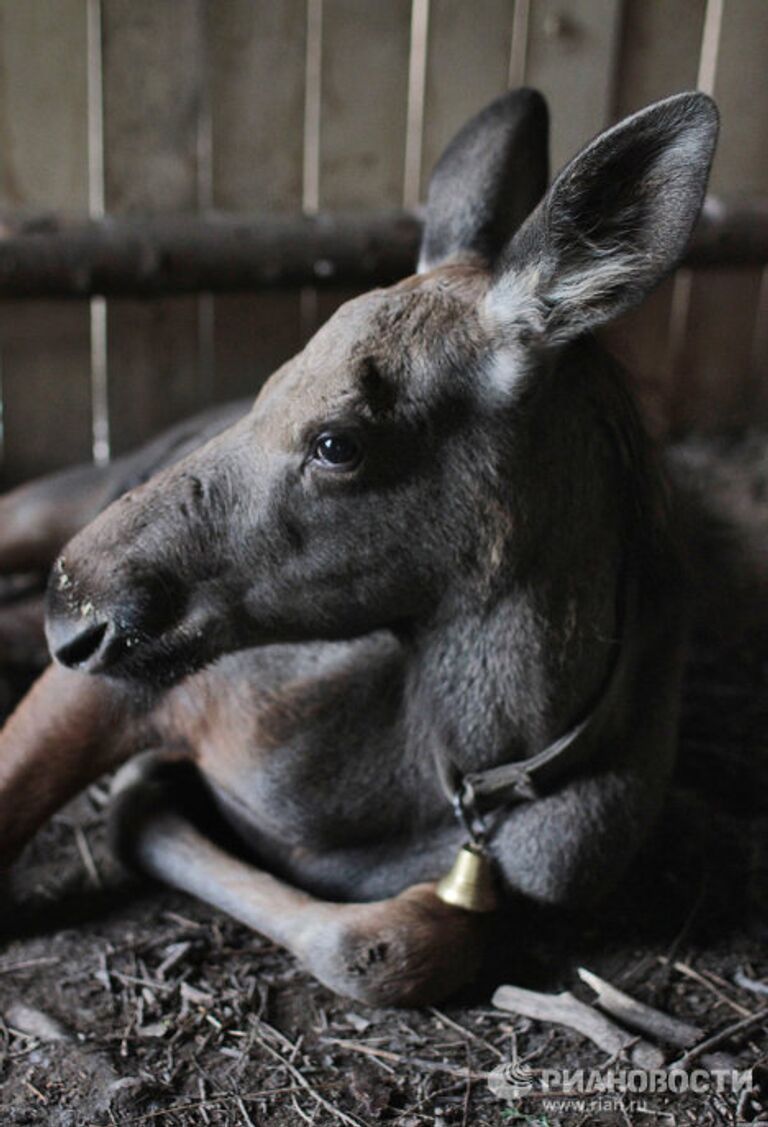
x=464, y=802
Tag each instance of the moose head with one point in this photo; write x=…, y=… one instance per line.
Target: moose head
x=438, y=447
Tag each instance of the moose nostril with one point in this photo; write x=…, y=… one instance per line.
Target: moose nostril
x=83, y=646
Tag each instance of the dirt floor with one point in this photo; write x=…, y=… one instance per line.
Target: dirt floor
x=126, y=1004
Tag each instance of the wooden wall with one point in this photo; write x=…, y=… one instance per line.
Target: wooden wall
x=127, y=106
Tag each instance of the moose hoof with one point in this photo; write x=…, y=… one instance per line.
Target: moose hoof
x=412, y=950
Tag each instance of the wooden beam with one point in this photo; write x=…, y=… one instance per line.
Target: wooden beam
x=157, y=255
x=187, y=253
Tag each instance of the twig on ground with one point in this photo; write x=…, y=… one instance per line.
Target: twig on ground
x=203, y=1094
x=640, y=1017
x=689, y=972
x=244, y=1112
x=466, y=1032
x=84, y=849
x=454, y=1086
x=27, y=964
x=565, y=1009
x=720, y=1038
x=467, y=1093
x=32, y=1022
x=299, y=1109
x=400, y=1058
x=302, y=1080
x=36, y=1092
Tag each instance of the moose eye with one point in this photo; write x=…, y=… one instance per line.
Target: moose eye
x=337, y=451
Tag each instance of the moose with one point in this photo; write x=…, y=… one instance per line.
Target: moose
x=424, y=594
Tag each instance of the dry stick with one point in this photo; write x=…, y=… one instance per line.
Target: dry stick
x=564, y=1009
x=398, y=1058
x=649, y=1020
x=243, y=1111
x=465, y=1032
x=637, y=1015
x=26, y=964
x=467, y=1092
x=35, y=1091
x=683, y=968
x=86, y=857
x=31, y=1022
x=433, y=1096
x=717, y=1039
x=299, y=1110
x=302, y=1080
x=203, y=1096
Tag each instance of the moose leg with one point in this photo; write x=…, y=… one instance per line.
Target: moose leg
x=409, y=950
x=68, y=730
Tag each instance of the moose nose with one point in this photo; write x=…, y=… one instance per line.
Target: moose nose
x=79, y=636
x=79, y=644
x=94, y=626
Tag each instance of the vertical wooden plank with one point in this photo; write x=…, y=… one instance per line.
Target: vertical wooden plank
x=658, y=56
x=44, y=346
x=363, y=102
x=45, y=359
x=468, y=52
x=256, y=59
x=571, y=59
x=715, y=377
x=152, y=55
x=658, y=51
x=363, y=109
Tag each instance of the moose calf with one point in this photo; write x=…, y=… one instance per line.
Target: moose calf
x=429, y=573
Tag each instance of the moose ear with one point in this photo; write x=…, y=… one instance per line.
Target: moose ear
x=487, y=181
x=615, y=221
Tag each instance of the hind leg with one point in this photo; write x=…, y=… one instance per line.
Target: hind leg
x=408, y=950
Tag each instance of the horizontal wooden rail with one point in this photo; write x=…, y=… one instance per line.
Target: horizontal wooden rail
x=44, y=256
x=214, y=252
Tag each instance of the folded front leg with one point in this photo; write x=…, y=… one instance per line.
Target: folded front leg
x=409, y=950
x=69, y=729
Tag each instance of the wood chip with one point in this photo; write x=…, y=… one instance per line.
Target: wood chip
x=744, y=982
x=35, y=1023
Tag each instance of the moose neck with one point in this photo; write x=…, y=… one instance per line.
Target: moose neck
x=495, y=687
x=507, y=666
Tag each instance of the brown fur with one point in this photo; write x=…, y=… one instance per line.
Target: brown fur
x=436, y=532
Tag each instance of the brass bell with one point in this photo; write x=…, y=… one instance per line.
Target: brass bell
x=469, y=882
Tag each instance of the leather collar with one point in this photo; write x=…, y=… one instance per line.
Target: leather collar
x=524, y=780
